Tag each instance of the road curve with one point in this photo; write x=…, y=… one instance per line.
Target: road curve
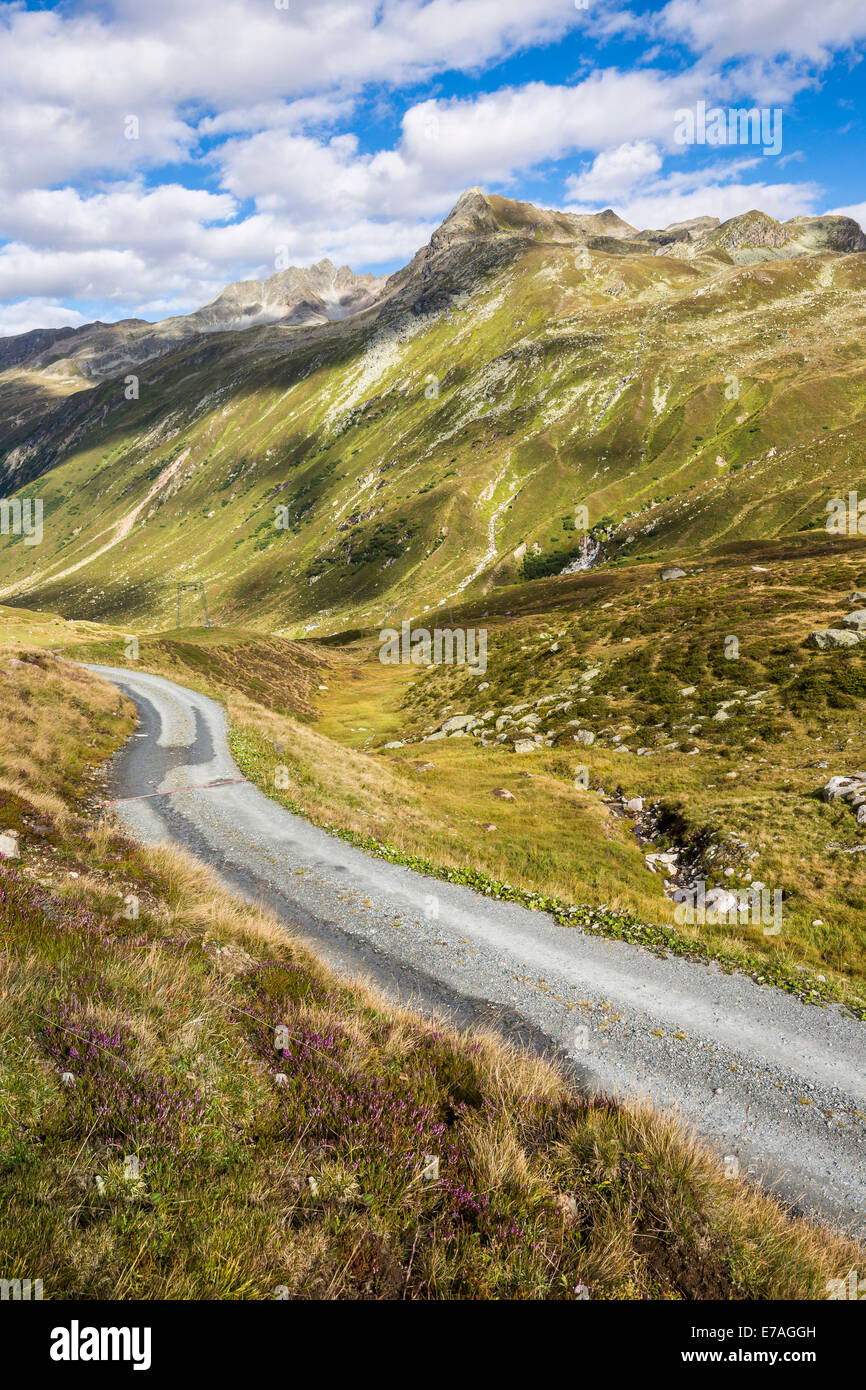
x=767, y=1081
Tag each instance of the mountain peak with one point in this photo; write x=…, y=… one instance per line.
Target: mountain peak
x=477, y=215
x=471, y=216
x=752, y=228
x=299, y=296
x=754, y=235
x=473, y=194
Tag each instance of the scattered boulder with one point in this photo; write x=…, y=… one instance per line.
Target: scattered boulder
x=634, y=804
x=850, y=788
x=585, y=736
x=395, y=743
x=673, y=573
x=424, y=767
x=525, y=745
x=838, y=786
x=503, y=793
x=721, y=901
x=829, y=637
x=852, y=628
x=9, y=844
x=457, y=721
x=665, y=860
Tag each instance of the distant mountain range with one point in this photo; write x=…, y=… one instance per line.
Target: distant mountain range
x=432, y=432
x=324, y=294
x=320, y=294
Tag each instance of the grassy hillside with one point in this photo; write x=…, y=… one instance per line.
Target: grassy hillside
x=188, y=1156
x=737, y=798
x=314, y=478
x=532, y=390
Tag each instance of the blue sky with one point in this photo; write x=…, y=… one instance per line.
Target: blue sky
x=273, y=130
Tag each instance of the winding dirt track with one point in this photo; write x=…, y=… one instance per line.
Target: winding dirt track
x=775, y=1085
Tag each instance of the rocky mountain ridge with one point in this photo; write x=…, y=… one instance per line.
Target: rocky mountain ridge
x=436, y=433
x=322, y=293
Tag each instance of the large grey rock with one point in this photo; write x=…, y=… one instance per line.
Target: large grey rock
x=721, y=901
x=9, y=844
x=529, y=721
x=585, y=736
x=525, y=745
x=665, y=860
x=457, y=721
x=673, y=573
x=827, y=638
x=856, y=620
x=839, y=787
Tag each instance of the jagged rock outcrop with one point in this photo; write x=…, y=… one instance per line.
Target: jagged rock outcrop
x=754, y=236
x=294, y=297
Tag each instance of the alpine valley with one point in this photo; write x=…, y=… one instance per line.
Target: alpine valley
x=620, y=471
x=632, y=457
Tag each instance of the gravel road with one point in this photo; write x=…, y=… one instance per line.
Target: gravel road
x=775, y=1086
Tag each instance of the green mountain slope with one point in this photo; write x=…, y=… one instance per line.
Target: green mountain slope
x=691, y=389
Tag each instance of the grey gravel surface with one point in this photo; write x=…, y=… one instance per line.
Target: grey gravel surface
x=775, y=1086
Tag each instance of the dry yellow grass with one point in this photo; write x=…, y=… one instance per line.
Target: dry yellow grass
x=540, y=1189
